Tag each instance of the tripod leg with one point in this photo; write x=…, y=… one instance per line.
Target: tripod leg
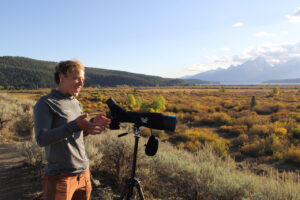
x=140, y=190
x=128, y=189
x=124, y=191
x=130, y=192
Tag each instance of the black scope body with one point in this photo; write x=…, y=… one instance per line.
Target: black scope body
x=147, y=119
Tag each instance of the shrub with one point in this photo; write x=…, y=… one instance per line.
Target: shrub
x=255, y=149
x=220, y=147
x=261, y=130
x=296, y=116
x=229, y=104
x=278, y=116
x=278, y=107
x=273, y=145
x=203, y=135
x=251, y=120
x=34, y=155
x=99, y=97
x=16, y=116
x=24, y=125
x=278, y=156
x=192, y=146
x=268, y=129
x=187, y=117
x=240, y=140
x=293, y=155
x=280, y=131
x=263, y=109
x=94, y=155
x=216, y=119
x=115, y=154
x=193, y=138
x=175, y=109
x=266, y=109
x=234, y=130
x=296, y=132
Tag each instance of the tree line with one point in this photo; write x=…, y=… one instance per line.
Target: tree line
x=26, y=73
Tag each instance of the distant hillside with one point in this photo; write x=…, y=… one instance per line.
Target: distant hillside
x=297, y=80
x=26, y=73
x=198, y=82
x=252, y=71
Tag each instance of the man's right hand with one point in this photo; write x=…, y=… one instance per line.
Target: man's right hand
x=87, y=126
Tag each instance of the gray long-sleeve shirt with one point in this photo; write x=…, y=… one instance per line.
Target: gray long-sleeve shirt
x=57, y=131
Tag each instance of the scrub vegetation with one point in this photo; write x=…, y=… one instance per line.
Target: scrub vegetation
x=231, y=142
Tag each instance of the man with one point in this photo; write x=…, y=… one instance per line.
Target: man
x=60, y=127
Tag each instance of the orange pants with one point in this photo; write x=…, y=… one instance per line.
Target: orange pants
x=67, y=186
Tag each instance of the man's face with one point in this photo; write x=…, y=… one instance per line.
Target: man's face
x=73, y=82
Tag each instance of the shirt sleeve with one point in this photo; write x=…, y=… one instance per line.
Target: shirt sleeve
x=44, y=133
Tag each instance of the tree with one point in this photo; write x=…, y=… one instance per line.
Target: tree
x=10, y=87
x=144, y=107
x=276, y=91
x=222, y=89
x=158, y=103
x=253, y=101
x=99, y=97
x=130, y=101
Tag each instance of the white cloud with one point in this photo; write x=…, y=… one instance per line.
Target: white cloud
x=203, y=67
x=273, y=53
x=263, y=34
x=222, y=59
x=238, y=24
x=295, y=17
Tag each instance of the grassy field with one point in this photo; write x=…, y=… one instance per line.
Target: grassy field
x=231, y=142
x=258, y=123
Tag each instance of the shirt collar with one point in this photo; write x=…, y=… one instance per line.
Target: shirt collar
x=60, y=94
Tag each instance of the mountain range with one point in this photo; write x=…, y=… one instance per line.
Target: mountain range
x=252, y=72
x=27, y=73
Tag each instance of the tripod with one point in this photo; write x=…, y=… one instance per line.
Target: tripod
x=133, y=181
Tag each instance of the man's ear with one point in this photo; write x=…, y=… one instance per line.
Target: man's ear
x=61, y=77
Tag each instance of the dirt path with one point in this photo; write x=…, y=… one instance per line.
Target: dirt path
x=15, y=179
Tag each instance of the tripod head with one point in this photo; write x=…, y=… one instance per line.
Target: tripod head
x=152, y=144
x=136, y=131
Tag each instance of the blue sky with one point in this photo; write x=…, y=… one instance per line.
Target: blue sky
x=168, y=38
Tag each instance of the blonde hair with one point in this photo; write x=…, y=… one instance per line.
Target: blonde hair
x=65, y=67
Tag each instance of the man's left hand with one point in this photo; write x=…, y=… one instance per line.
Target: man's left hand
x=101, y=121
